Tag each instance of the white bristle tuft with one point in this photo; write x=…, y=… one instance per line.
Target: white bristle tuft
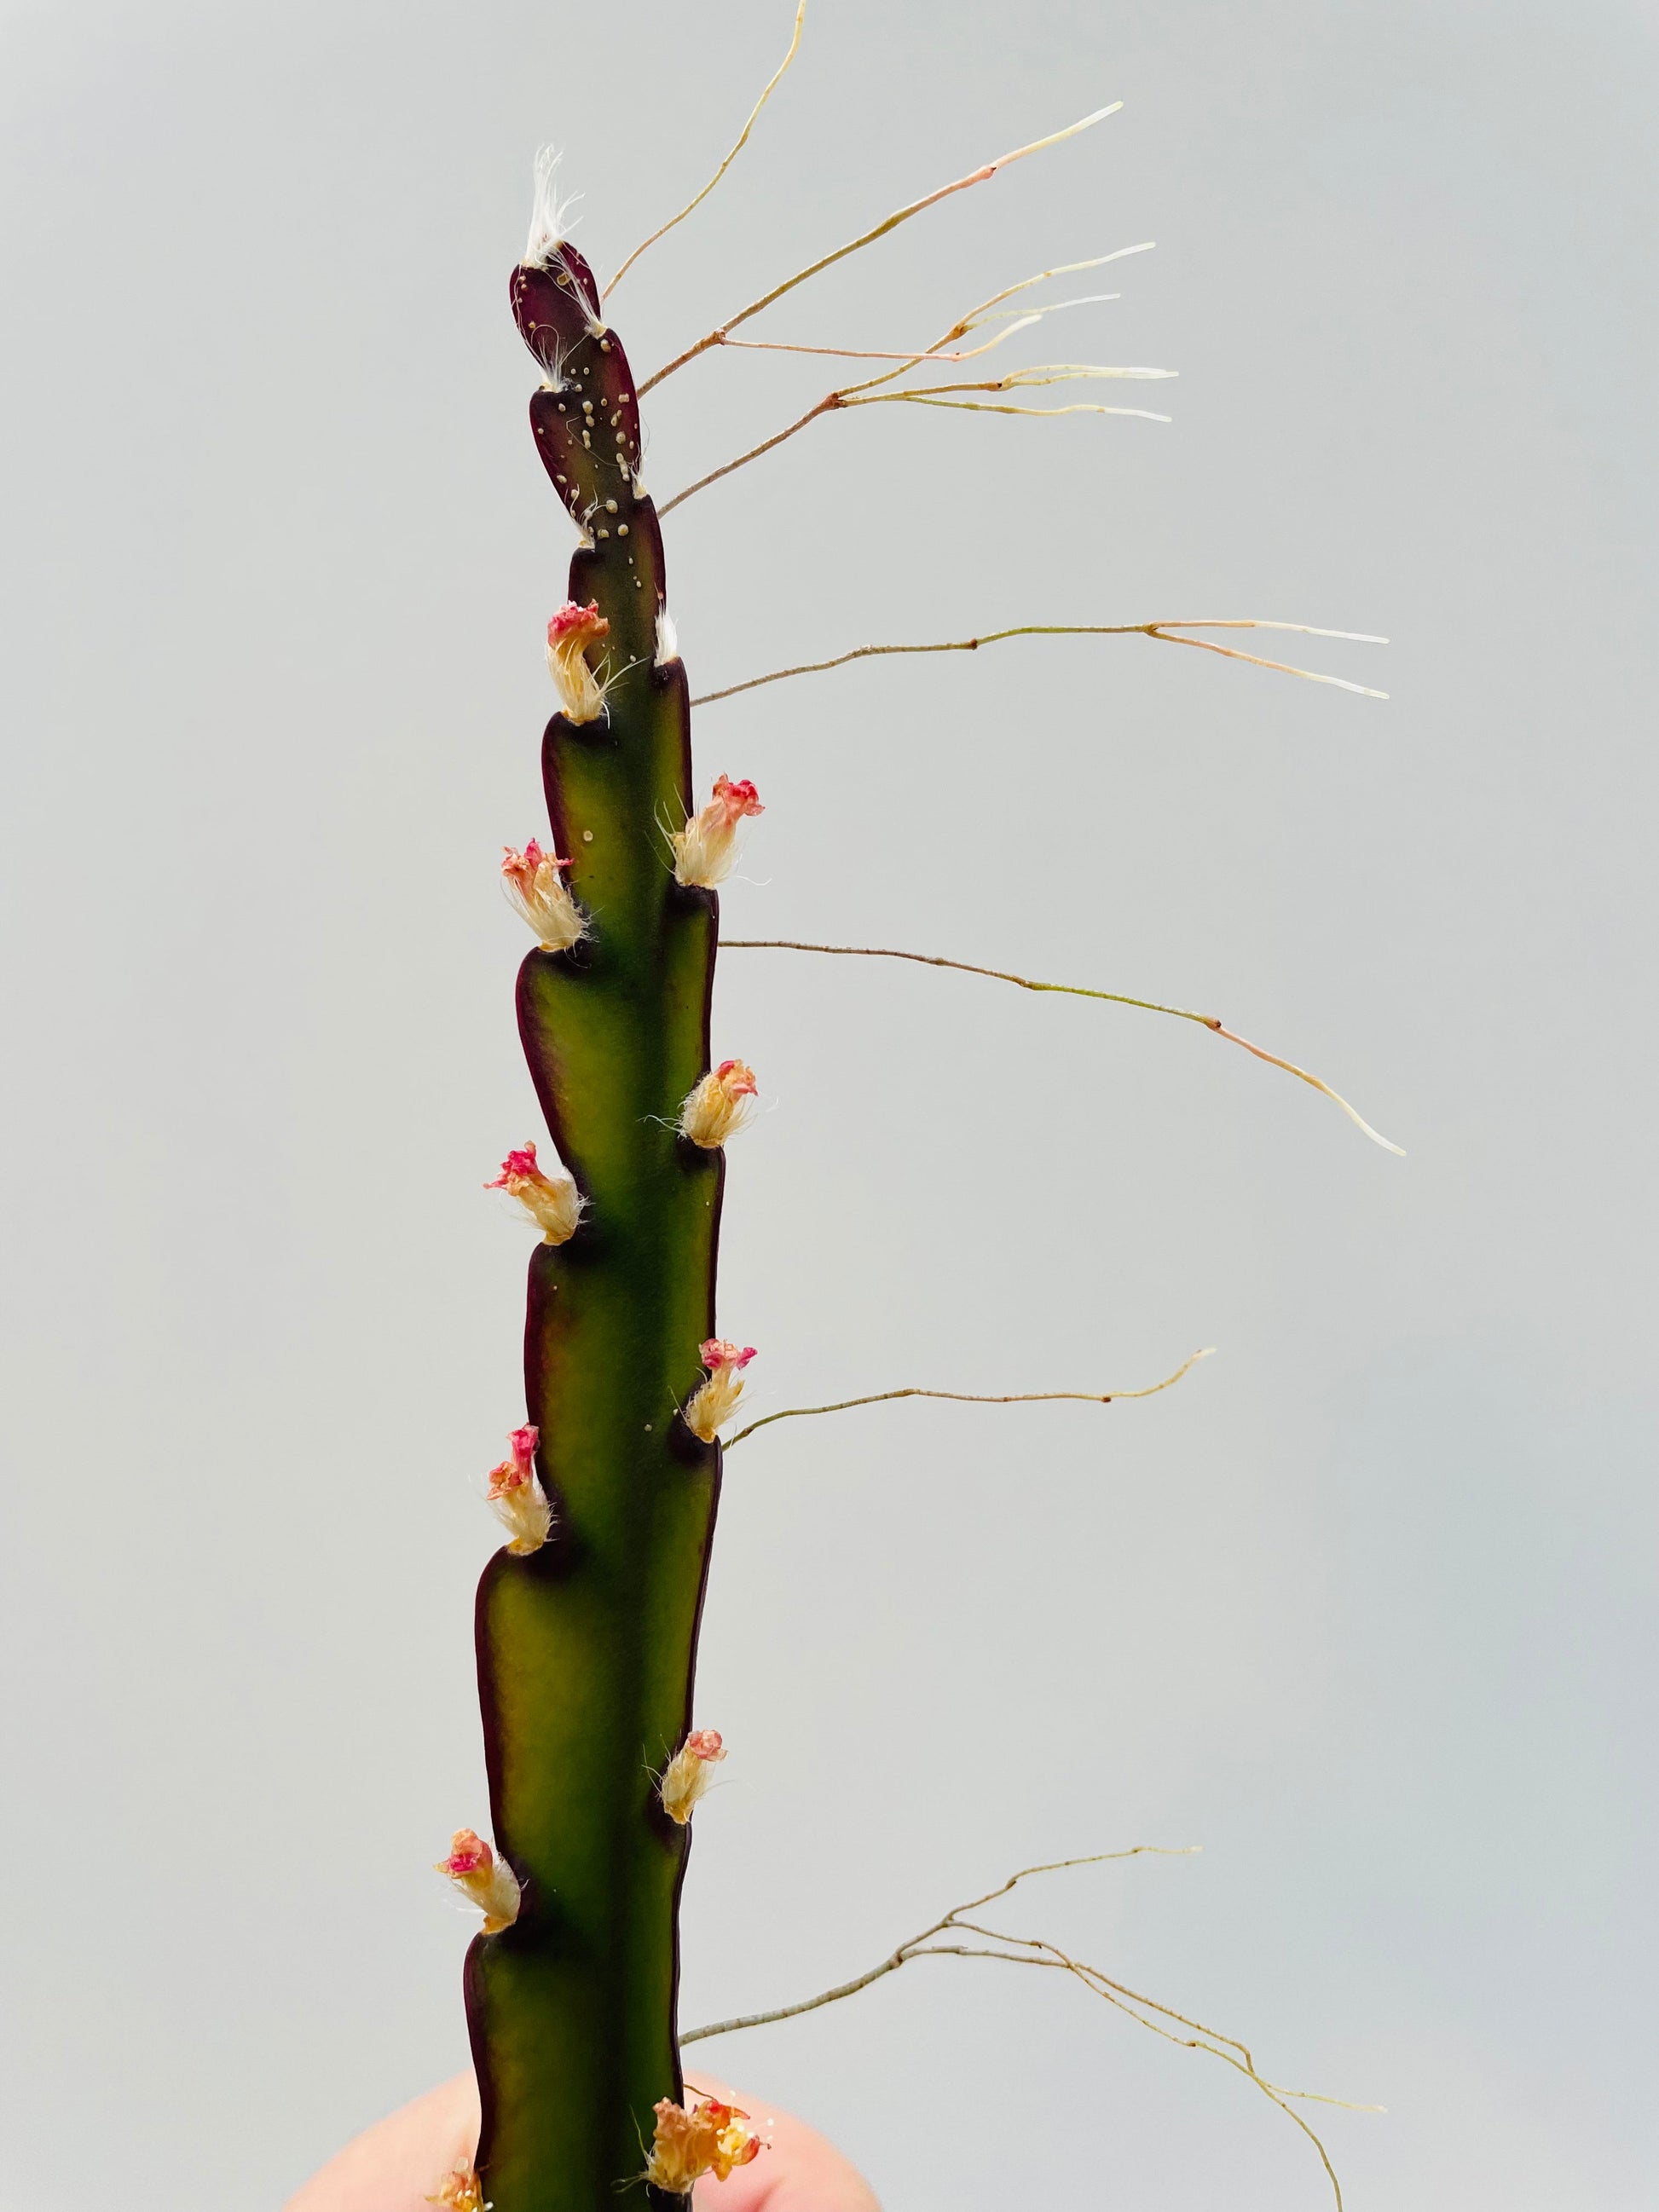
x=548, y=212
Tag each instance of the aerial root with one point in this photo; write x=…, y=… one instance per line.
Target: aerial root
x=742, y=140
x=1211, y=1022
x=980, y=1398
x=1160, y=2020
x=1163, y=633
x=868, y=238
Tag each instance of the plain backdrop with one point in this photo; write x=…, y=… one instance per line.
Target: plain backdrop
x=1365, y=1607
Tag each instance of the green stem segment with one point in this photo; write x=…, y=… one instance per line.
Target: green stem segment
x=587, y=1647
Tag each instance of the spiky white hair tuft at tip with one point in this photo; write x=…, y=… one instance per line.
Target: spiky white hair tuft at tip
x=548, y=211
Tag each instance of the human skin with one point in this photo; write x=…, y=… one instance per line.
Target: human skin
x=395, y=2165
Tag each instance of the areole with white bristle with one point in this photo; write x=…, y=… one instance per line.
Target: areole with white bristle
x=548, y=209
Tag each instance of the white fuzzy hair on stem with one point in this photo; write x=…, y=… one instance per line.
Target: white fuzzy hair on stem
x=552, y=354
x=548, y=208
x=668, y=638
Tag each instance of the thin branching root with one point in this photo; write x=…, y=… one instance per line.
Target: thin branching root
x=1163, y=633
x=722, y=331
x=875, y=391
x=1211, y=1022
x=980, y=1398
x=1161, y=2020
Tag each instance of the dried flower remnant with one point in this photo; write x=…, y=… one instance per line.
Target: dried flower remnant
x=516, y=1496
x=460, y=2193
x=569, y=634
x=712, y=2138
x=719, y=1107
x=689, y=1775
x=553, y=1202
x=705, y=849
x=483, y=1879
x=716, y=1400
x=536, y=891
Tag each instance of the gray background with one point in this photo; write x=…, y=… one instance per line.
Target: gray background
x=1364, y=1607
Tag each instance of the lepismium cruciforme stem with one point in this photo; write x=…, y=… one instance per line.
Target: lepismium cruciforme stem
x=586, y=1648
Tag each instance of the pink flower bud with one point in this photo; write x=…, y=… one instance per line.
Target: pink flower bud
x=516, y=1497
x=720, y=1352
x=553, y=1203
x=713, y=2138
x=536, y=892
x=689, y=1773
x=483, y=1879
x=735, y=1080
x=718, y=1108
x=569, y=634
x=705, y=849
x=715, y=1401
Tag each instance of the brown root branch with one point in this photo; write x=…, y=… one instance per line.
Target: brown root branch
x=1163, y=633
x=869, y=237
x=1161, y=2020
x=979, y=1398
x=940, y=395
x=742, y=140
x=1211, y=1022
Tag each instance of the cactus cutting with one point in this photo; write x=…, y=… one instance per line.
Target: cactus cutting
x=587, y=1618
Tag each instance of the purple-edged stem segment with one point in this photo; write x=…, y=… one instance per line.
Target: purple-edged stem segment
x=587, y=1645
